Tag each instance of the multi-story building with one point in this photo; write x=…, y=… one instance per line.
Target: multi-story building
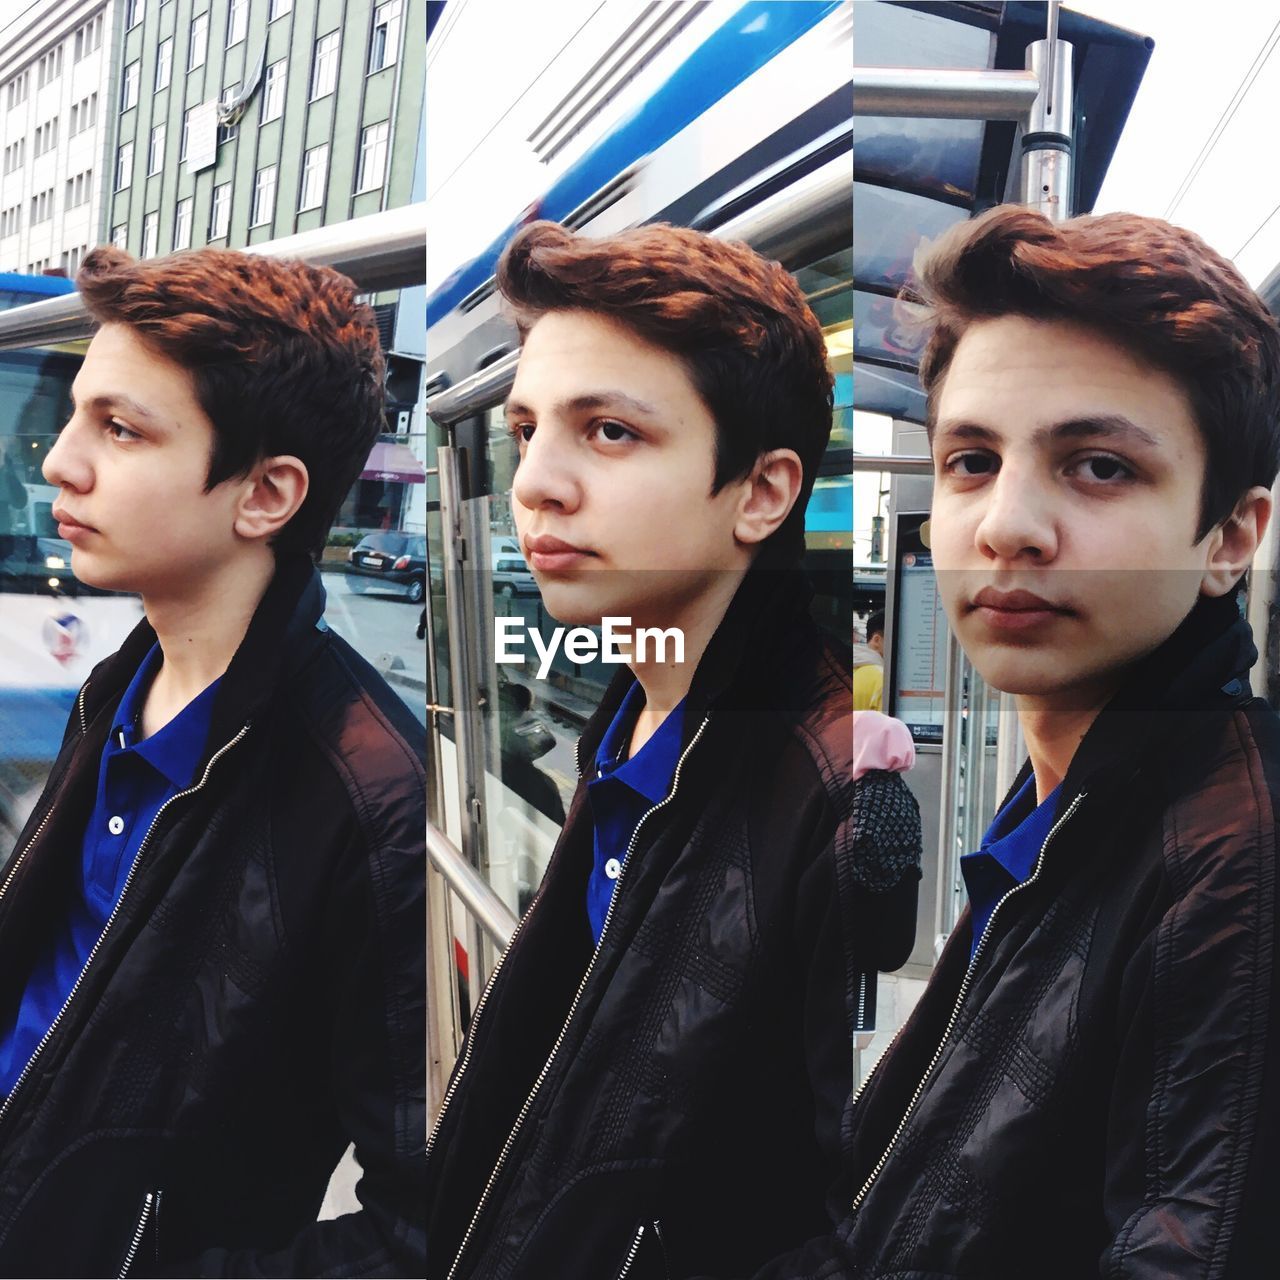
x=240, y=121
x=56, y=89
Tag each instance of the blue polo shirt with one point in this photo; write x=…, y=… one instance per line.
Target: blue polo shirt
x=1008, y=853
x=623, y=791
x=134, y=781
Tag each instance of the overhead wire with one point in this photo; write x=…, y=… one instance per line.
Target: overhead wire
x=1225, y=119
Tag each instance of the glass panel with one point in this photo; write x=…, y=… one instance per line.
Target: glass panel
x=885, y=329
x=890, y=228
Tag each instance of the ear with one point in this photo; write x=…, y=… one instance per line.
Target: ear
x=1237, y=542
x=769, y=493
x=271, y=495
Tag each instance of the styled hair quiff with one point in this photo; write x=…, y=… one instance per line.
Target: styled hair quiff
x=740, y=324
x=282, y=357
x=1158, y=290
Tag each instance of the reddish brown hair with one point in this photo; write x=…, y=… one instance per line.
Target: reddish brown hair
x=283, y=358
x=752, y=347
x=1158, y=290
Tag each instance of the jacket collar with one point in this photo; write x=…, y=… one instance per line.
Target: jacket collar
x=770, y=601
x=280, y=635
x=1196, y=676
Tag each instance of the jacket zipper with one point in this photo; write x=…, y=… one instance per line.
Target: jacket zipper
x=631, y=1253
x=573, y=1008
x=44, y=822
x=151, y=1202
x=860, y=1023
x=955, y=1012
x=133, y=869
x=484, y=996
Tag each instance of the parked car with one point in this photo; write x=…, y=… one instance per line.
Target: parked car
x=393, y=560
x=511, y=576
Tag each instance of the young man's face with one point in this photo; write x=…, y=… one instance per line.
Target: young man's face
x=1066, y=469
x=131, y=465
x=612, y=496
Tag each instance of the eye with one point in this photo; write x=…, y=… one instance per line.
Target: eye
x=118, y=431
x=613, y=431
x=967, y=465
x=1106, y=469
x=520, y=432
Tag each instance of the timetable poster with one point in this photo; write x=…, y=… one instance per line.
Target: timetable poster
x=919, y=667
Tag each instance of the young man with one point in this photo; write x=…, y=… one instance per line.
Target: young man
x=868, y=666
x=654, y=1081
x=1090, y=1083
x=211, y=930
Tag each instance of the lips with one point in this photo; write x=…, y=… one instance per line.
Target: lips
x=70, y=529
x=551, y=554
x=1016, y=602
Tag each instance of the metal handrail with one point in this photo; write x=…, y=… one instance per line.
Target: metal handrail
x=486, y=908
x=943, y=94
x=384, y=250
x=902, y=464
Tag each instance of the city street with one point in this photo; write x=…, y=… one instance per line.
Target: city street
x=383, y=628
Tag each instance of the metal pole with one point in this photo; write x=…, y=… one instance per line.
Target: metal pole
x=452, y=469
x=1047, y=137
x=943, y=94
x=1010, y=747
x=948, y=818
x=902, y=464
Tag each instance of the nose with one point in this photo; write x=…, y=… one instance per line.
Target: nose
x=547, y=475
x=66, y=464
x=1018, y=522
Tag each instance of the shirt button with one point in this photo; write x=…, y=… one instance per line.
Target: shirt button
x=115, y=826
x=613, y=868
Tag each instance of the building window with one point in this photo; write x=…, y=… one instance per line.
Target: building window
x=15, y=155
x=324, y=71
x=79, y=189
x=88, y=38
x=71, y=258
x=373, y=157
x=155, y=152
x=120, y=235
x=17, y=90
x=129, y=86
x=185, y=141
x=228, y=131
x=273, y=91
x=164, y=63
x=150, y=234
x=49, y=68
x=278, y=8
x=386, y=35
x=220, y=211
x=315, y=167
x=237, y=21
x=84, y=114
x=46, y=137
x=11, y=221
x=264, y=196
x=199, y=45
x=124, y=165
x=134, y=12
x=182, y=223
x=42, y=207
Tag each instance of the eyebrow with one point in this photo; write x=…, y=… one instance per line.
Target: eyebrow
x=118, y=400
x=1106, y=426
x=591, y=400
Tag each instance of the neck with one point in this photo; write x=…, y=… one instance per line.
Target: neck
x=200, y=628
x=1054, y=725
x=665, y=683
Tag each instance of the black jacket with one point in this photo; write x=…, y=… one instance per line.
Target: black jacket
x=685, y=1079
x=256, y=1001
x=1098, y=1093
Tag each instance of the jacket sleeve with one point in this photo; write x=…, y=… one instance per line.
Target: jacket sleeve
x=373, y=952
x=1193, y=1143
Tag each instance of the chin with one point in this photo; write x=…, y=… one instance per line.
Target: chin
x=575, y=604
